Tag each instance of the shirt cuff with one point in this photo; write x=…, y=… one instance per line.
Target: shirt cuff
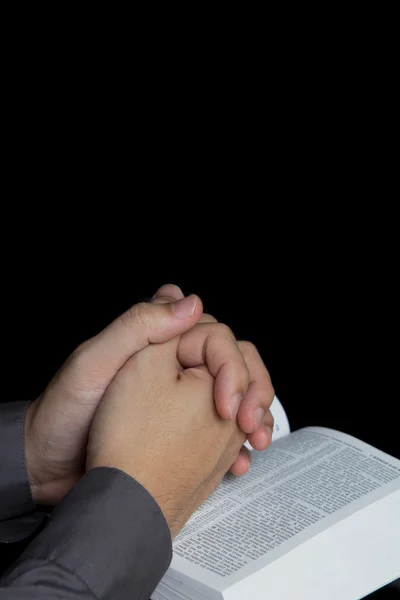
x=110, y=532
x=18, y=518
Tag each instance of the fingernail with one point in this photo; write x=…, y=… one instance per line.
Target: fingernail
x=234, y=404
x=268, y=431
x=258, y=417
x=168, y=285
x=185, y=307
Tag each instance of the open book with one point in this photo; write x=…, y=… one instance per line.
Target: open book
x=317, y=517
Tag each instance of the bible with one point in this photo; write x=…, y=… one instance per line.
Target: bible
x=316, y=517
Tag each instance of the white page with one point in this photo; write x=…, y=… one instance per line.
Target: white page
x=167, y=592
x=347, y=561
x=172, y=588
x=281, y=422
x=179, y=589
x=185, y=588
x=282, y=493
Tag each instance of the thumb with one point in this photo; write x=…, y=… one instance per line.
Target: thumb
x=143, y=324
x=171, y=291
x=78, y=387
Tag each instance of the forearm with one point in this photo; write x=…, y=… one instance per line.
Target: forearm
x=106, y=539
x=18, y=518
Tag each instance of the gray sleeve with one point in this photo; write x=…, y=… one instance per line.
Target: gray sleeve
x=18, y=517
x=107, y=539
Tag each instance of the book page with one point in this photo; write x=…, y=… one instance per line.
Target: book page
x=281, y=422
x=301, y=485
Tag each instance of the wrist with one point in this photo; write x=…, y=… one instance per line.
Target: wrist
x=173, y=504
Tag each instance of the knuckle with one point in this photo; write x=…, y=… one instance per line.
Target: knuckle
x=248, y=348
x=136, y=315
x=163, y=300
x=77, y=359
x=206, y=318
x=244, y=376
x=267, y=396
x=269, y=419
x=224, y=330
x=270, y=394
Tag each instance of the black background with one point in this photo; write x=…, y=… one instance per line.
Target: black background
x=261, y=188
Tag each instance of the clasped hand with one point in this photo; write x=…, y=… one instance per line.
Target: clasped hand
x=167, y=394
